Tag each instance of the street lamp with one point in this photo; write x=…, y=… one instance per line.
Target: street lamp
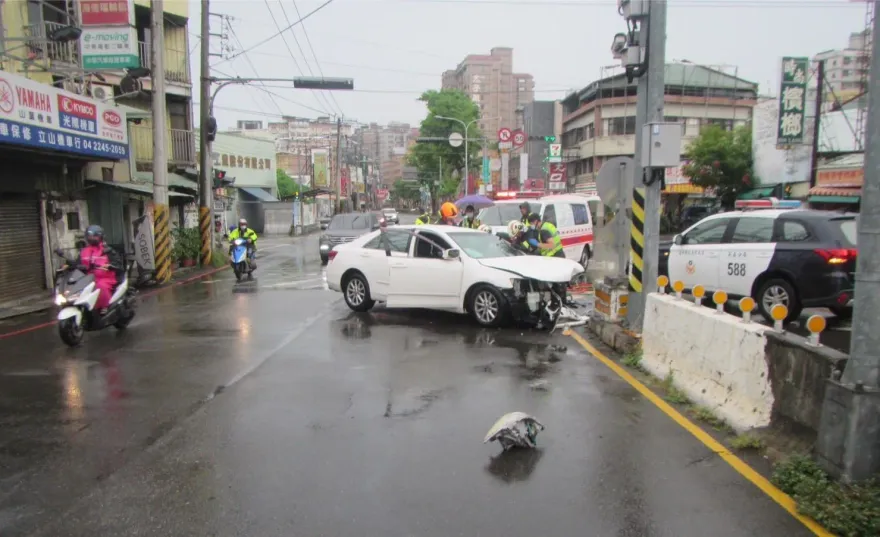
x=465, y=126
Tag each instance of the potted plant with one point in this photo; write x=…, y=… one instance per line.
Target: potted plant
x=187, y=244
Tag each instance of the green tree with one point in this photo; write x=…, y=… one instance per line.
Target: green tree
x=722, y=160
x=431, y=157
x=403, y=191
x=287, y=187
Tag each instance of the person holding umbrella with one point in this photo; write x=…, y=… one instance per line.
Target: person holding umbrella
x=469, y=221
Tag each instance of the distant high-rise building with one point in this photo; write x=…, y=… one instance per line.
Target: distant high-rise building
x=490, y=81
x=248, y=125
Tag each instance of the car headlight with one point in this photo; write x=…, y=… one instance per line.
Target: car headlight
x=324, y=247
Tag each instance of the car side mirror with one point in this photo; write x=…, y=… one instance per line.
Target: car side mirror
x=678, y=240
x=452, y=253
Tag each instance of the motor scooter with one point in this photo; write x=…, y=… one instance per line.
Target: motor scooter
x=238, y=254
x=76, y=294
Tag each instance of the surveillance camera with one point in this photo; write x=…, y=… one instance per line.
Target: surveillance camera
x=619, y=44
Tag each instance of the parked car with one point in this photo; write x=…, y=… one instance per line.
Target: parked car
x=391, y=215
x=346, y=227
x=798, y=258
x=446, y=268
x=570, y=213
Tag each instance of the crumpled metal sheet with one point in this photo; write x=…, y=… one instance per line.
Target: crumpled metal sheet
x=515, y=429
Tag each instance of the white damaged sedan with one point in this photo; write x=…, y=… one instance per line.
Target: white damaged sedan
x=450, y=269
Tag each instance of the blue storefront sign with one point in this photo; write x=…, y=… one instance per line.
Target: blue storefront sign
x=43, y=117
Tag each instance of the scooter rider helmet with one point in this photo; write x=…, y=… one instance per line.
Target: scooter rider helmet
x=242, y=224
x=94, y=235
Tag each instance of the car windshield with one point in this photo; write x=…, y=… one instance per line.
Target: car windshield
x=849, y=229
x=483, y=245
x=388, y=211
x=350, y=221
x=500, y=215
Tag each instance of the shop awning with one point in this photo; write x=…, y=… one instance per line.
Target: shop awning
x=830, y=194
x=757, y=193
x=136, y=188
x=258, y=193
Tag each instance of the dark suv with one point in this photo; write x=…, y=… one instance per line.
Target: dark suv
x=346, y=227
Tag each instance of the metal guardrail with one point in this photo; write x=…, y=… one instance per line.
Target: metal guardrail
x=176, y=63
x=181, y=145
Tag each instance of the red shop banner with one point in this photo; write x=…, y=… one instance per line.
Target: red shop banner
x=344, y=183
x=106, y=12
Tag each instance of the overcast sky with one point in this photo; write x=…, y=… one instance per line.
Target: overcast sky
x=395, y=49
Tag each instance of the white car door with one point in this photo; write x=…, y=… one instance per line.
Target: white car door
x=748, y=253
x=375, y=262
x=424, y=279
x=697, y=260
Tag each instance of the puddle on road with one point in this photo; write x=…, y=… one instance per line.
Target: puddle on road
x=514, y=465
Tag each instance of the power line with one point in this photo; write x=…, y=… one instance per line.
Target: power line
x=309, y=41
x=265, y=88
x=247, y=58
x=273, y=36
x=420, y=91
x=290, y=52
x=770, y=4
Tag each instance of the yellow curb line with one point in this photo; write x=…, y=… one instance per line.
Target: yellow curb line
x=781, y=498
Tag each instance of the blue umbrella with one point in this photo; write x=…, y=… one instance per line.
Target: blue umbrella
x=476, y=200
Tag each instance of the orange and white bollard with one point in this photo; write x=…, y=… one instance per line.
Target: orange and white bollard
x=720, y=299
x=699, y=293
x=747, y=306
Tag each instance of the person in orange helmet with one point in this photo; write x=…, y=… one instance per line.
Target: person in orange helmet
x=448, y=212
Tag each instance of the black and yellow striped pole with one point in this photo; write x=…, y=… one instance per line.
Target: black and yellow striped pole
x=160, y=161
x=162, y=241
x=637, y=241
x=206, y=235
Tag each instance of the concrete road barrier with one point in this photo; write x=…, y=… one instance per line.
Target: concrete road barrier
x=718, y=360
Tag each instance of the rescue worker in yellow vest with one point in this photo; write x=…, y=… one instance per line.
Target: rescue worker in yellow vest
x=424, y=219
x=469, y=221
x=525, y=209
x=548, y=240
x=448, y=213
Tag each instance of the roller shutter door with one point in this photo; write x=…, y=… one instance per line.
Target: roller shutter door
x=21, y=247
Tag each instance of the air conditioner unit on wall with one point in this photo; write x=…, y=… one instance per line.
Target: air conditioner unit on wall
x=101, y=92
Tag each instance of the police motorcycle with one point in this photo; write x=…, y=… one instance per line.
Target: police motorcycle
x=76, y=295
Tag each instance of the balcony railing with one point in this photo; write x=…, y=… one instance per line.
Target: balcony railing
x=181, y=147
x=39, y=47
x=176, y=63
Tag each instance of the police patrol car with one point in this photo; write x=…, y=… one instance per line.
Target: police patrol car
x=779, y=254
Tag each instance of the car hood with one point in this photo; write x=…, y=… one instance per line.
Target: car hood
x=345, y=232
x=546, y=269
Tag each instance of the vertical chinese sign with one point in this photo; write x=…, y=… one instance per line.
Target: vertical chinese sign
x=792, y=101
x=321, y=168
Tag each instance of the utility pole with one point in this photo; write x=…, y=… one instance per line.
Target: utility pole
x=160, y=160
x=206, y=205
x=814, y=157
x=849, y=429
x=645, y=242
x=338, y=162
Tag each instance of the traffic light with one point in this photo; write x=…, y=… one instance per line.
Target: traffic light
x=320, y=83
x=550, y=139
x=220, y=178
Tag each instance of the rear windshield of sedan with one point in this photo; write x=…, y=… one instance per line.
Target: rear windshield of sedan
x=500, y=215
x=350, y=221
x=483, y=245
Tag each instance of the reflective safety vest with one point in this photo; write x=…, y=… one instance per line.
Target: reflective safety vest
x=557, y=240
x=475, y=224
x=423, y=220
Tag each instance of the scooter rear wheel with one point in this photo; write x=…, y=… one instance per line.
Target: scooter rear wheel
x=70, y=332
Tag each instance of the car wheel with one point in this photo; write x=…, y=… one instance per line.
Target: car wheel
x=487, y=306
x=357, y=293
x=778, y=291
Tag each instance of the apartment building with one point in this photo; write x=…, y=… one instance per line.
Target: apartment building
x=599, y=120
x=490, y=81
x=846, y=69
x=75, y=132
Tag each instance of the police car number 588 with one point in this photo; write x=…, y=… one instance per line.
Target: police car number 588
x=796, y=257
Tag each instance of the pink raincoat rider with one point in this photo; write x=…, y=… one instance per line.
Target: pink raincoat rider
x=96, y=257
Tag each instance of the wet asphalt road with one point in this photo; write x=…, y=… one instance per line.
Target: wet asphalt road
x=267, y=409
